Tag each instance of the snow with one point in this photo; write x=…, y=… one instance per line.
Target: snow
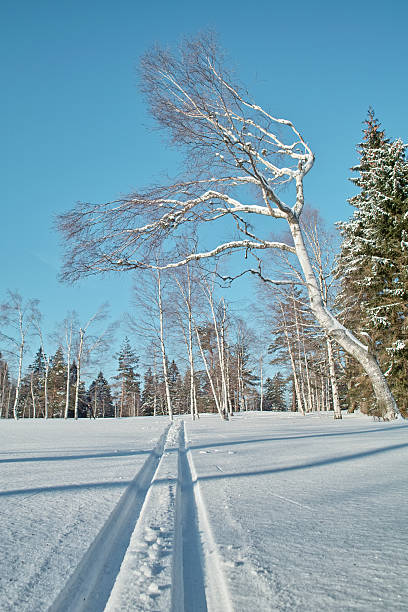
x=273, y=511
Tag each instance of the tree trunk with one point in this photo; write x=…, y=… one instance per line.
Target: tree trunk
x=333, y=380
x=193, y=400
x=217, y=403
x=261, y=381
x=338, y=332
x=163, y=348
x=33, y=394
x=3, y=389
x=220, y=349
x=68, y=383
x=18, y=384
x=293, y=364
x=47, y=370
x=78, y=380
x=301, y=375
x=309, y=389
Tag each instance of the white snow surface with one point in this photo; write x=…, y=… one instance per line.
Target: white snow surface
x=267, y=511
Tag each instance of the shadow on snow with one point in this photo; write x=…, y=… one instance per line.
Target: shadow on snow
x=131, y=483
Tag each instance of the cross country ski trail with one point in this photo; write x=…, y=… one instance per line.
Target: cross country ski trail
x=269, y=512
x=156, y=551
x=90, y=585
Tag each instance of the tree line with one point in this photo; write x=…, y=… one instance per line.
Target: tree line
x=244, y=169
x=335, y=322
x=50, y=387
x=221, y=358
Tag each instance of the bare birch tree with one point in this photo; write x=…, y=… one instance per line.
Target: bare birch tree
x=151, y=325
x=185, y=285
x=86, y=345
x=37, y=325
x=235, y=148
x=17, y=318
x=68, y=331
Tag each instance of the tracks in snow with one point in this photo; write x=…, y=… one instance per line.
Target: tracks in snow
x=156, y=550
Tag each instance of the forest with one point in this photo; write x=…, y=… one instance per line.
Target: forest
x=328, y=328
x=220, y=359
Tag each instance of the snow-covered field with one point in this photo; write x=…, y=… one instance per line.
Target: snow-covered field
x=267, y=511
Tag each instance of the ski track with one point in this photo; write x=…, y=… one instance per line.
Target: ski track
x=169, y=545
x=156, y=551
x=88, y=589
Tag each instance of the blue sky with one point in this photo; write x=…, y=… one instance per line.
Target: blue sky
x=74, y=126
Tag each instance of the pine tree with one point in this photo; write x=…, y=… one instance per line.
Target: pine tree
x=56, y=385
x=6, y=389
x=275, y=393
x=37, y=374
x=128, y=380
x=149, y=394
x=100, y=398
x=176, y=389
x=373, y=264
x=241, y=377
x=84, y=402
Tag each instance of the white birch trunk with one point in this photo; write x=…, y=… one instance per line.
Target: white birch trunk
x=163, y=348
x=333, y=380
x=18, y=384
x=301, y=376
x=33, y=394
x=309, y=389
x=210, y=379
x=224, y=399
x=47, y=370
x=193, y=398
x=78, y=380
x=293, y=364
x=68, y=384
x=338, y=332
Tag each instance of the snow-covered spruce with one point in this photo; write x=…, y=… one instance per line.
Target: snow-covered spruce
x=373, y=262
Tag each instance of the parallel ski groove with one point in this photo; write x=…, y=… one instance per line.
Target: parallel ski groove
x=89, y=587
x=164, y=498
x=218, y=597
x=151, y=567
x=189, y=543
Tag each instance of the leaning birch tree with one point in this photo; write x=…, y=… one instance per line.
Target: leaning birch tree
x=239, y=156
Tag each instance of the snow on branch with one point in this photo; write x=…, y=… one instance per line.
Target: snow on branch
x=125, y=233
x=192, y=96
x=234, y=148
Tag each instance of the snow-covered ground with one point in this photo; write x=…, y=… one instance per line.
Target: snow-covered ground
x=267, y=511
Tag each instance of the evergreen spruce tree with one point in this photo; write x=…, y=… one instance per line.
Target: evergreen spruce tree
x=24, y=406
x=128, y=380
x=176, y=389
x=275, y=393
x=56, y=385
x=6, y=389
x=100, y=398
x=149, y=394
x=73, y=373
x=373, y=265
x=36, y=375
x=84, y=408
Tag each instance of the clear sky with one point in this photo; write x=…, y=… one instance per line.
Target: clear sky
x=73, y=125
